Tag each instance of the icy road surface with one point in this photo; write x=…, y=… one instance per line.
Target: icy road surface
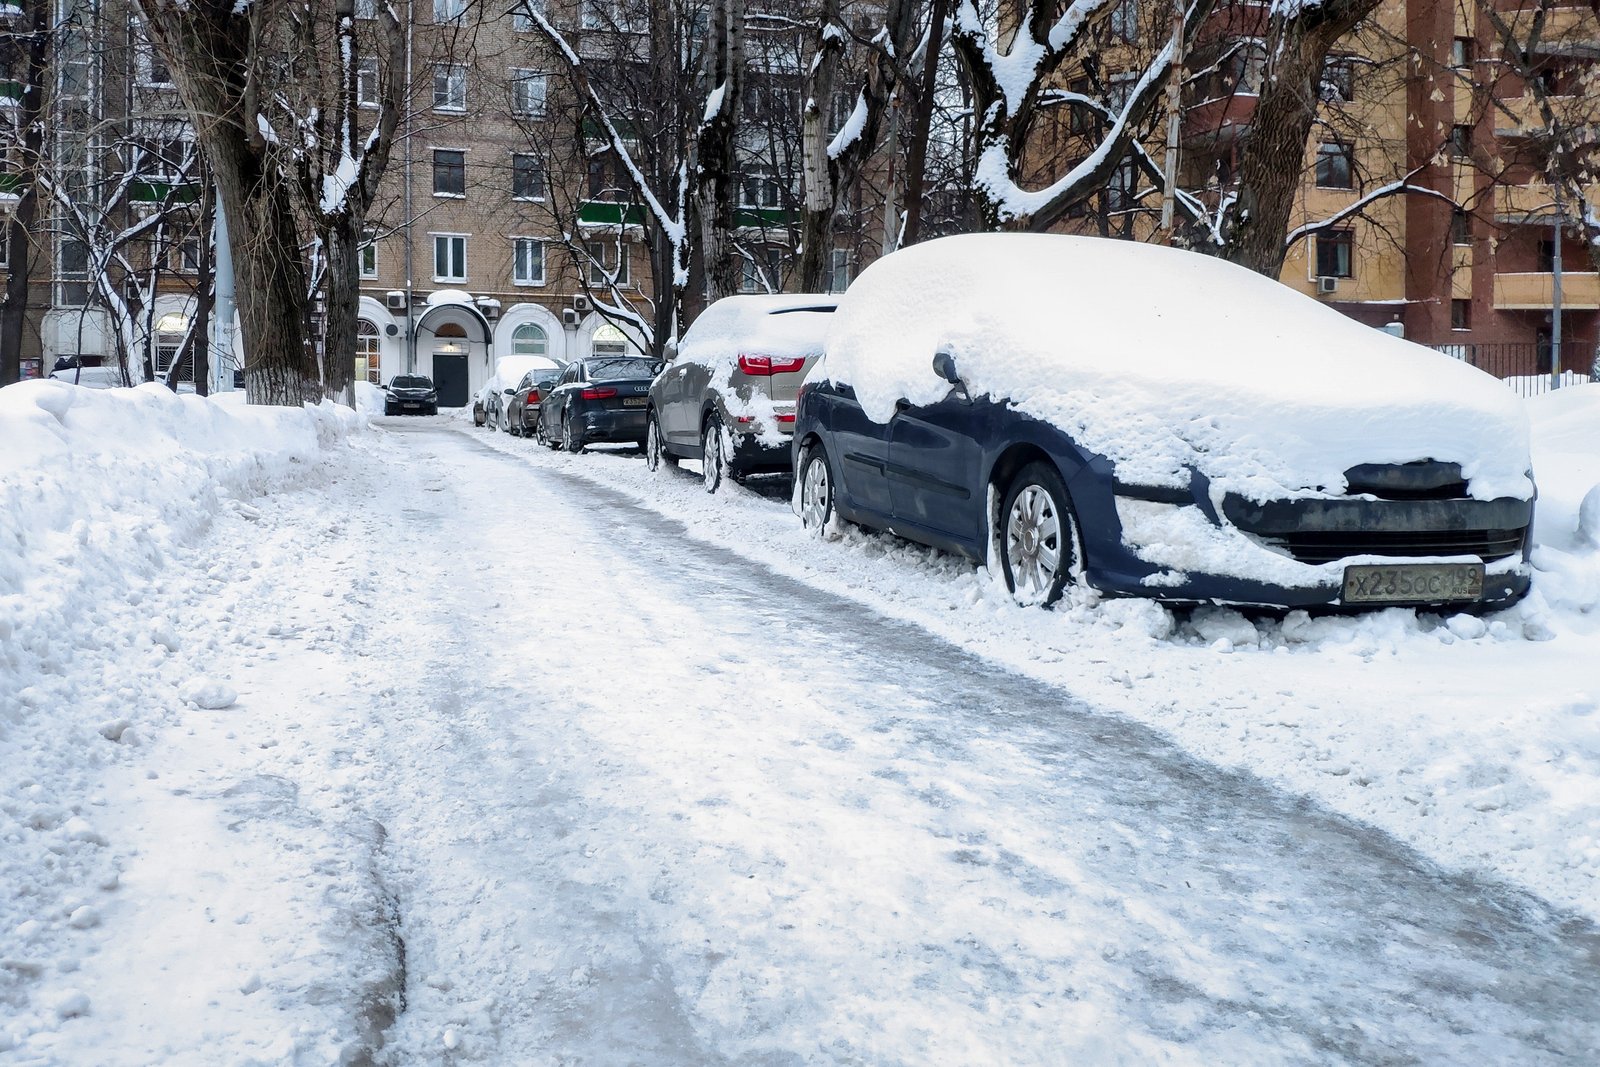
x=532, y=779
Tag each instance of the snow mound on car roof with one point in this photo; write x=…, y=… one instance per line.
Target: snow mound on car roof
x=780, y=325
x=1161, y=359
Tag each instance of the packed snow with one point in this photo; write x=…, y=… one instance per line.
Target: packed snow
x=277, y=692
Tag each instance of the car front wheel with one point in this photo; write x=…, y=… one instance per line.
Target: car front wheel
x=1038, y=539
x=816, y=490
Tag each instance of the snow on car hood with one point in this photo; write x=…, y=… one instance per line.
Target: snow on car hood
x=1161, y=359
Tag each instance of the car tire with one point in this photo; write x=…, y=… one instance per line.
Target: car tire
x=814, y=490
x=1038, y=538
x=713, y=455
x=655, y=450
x=571, y=437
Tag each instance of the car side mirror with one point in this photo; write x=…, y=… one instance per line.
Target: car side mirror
x=944, y=365
x=509, y=392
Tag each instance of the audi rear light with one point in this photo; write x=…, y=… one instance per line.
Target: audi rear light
x=533, y=396
x=599, y=393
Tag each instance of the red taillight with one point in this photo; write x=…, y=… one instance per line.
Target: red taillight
x=784, y=418
x=765, y=366
x=599, y=393
x=533, y=396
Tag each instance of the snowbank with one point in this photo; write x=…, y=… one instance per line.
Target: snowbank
x=1163, y=360
x=100, y=491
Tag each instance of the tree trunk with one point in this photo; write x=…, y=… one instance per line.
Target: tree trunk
x=19, y=229
x=921, y=124
x=340, y=322
x=714, y=152
x=205, y=294
x=816, y=219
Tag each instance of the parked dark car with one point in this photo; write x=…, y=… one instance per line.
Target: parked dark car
x=1157, y=423
x=523, y=403
x=602, y=398
x=410, y=394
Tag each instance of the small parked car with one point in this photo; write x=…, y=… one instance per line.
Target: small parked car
x=508, y=371
x=1152, y=422
x=410, y=394
x=727, y=398
x=90, y=377
x=522, y=402
x=601, y=398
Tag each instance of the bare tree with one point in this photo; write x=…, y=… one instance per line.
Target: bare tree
x=225, y=57
x=35, y=48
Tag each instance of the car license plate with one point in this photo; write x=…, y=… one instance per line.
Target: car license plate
x=1412, y=582
x=634, y=402
x=409, y=404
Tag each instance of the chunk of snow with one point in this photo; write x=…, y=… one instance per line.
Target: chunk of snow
x=208, y=693
x=83, y=918
x=70, y=1004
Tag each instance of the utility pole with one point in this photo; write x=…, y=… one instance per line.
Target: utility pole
x=1555, y=304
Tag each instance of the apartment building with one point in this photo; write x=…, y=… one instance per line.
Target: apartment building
x=1417, y=95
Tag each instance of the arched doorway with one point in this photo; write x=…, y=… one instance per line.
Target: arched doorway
x=171, y=329
x=453, y=347
x=369, y=355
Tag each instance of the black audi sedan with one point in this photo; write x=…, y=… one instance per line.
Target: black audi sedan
x=410, y=394
x=603, y=398
x=1151, y=422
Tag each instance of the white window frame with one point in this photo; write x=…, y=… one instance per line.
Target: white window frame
x=448, y=10
x=521, y=21
x=542, y=331
x=367, y=256
x=455, y=87
x=517, y=275
x=367, y=81
x=601, y=253
x=544, y=178
x=432, y=161
x=148, y=58
x=366, y=9
x=462, y=257
x=523, y=102
x=839, y=263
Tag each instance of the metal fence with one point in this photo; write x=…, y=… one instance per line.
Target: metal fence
x=1525, y=366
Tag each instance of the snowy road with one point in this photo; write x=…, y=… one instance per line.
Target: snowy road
x=643, y=801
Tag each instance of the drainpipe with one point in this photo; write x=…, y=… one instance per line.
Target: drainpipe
x=411, y=322
x=222, y=310
x=1555, y=306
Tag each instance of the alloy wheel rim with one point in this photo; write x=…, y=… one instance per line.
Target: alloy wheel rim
x=814, y=494
x=652, y=445
x=711, y=458
x=1033, y=541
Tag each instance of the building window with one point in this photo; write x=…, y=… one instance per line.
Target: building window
x=763, y=271
x=449, y=257
x=527, y=177
x=1461, y=53
x=527, y=92
x=1460, y=227
x=1339, y=80
x=1123, y=185
x=1547, y=256
x=369, y=361
x=759, y=189
x=72, y=271
x=448, y=10
x=530, y=340
x=366, y=9
x=188, y=256
x=1124, y=21
x=609, y=15
x=608, y=260
x=1335, y=165
x=839, y=270
x=1246, y=70
x=367, y=81
x=369, y=257
x=153, y=70
x=1461, y=140
x=449, y=172
x=1335, y=254
x=522, y=16
x=171, y=329
x=449, y=87
x=527, y=261
x=610, y=341
x=1461, y=314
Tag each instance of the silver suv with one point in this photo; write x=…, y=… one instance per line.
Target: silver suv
x=728, y=397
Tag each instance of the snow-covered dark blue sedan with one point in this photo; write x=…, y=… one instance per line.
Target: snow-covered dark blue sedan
x=1151, y=422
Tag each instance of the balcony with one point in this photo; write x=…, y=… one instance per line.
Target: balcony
x=1536, y=292
x=10, y=91
x=610, y=213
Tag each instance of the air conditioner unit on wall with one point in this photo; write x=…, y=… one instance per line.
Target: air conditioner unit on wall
x=581, y=304
x=396, y=300
x=570, y=318
x=1327, y=285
